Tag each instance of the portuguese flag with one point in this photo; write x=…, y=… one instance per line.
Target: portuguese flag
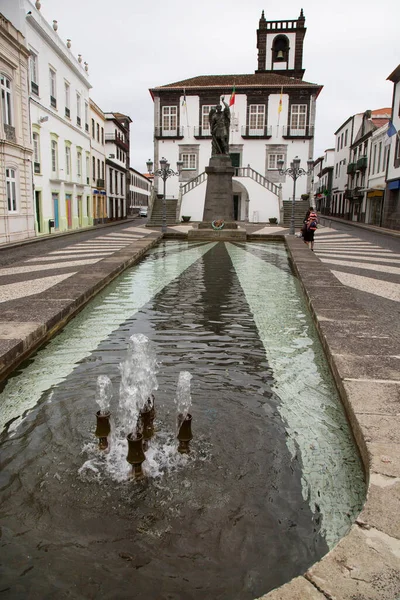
x=233, y=95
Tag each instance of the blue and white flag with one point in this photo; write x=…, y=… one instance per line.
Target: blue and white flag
x=390, y=133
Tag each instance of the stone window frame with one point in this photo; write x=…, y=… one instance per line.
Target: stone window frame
x=257, y=114
x=7, y=98
x=168, y=118
x=273, y=175
x=54, y=140
x=299, y=115
x=188, y=173
x=68, y=160
x=276, y=156
x=12, y=187
x=205, y=118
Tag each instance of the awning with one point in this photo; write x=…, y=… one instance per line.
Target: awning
x=375, y=194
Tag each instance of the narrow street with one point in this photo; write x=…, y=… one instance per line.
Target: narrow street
x=369, y=263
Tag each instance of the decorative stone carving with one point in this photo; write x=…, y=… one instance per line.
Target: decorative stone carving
x=55, y=25
x=68, y=43
x=37, y=4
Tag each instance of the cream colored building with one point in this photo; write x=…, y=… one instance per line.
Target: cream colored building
x=97, y=164
x=16, y=168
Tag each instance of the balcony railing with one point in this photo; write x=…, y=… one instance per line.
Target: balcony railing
x=307, y=131
x=362, y=162
x=248, y=131
x=351, y=168
x=202, y=132
x=34, y=88
x=161, y=132
x=100, y=183
x=9, y=130
x=112, y=137
x=354, y=194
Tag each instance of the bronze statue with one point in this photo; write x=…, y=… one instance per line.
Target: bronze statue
x=219, y=125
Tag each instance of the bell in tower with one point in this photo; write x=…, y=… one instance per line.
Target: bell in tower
x=280, y=46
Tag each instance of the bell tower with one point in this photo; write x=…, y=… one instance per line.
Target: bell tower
x=280, y=46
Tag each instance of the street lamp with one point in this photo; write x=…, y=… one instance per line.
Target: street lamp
x=164, y=172
x=295, y=171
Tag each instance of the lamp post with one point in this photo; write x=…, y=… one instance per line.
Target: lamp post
x=295, y=171
x=164, y=172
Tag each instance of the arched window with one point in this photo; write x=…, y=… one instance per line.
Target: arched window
x=280, y=49
x=6, y=100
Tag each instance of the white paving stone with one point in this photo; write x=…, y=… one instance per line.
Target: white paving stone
x=51, y=258
x=270, y=229
x=13, y=291
x=32, y=268
x=358, y=256
x=358, y=265
x=384, y=289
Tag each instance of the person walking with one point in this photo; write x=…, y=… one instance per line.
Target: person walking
x=310, y=228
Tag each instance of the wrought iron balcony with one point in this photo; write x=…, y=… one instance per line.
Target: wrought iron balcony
x=202, y=132
x=351, y=168
x=296, y=132
x=9, y=130
x=161, y=132
x=354, y=194
x=362, y=162
x=113, y=137
x=250, y=132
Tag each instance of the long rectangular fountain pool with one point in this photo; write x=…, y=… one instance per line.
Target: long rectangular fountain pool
x=273, y=479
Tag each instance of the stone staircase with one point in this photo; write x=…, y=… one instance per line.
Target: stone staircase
x=155, y=218
x=300, y=209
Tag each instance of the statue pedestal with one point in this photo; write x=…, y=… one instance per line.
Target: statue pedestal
x=218, y=203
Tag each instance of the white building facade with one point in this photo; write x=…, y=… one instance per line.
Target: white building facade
x=16, y=167
x=359, y=166
x=344, y=136
x=323, y=178
x=117, y=164
x=59, y=112
x=378, y=160
x=97, y=164
x=391, y=212
x=272, y=118
x=139, y=191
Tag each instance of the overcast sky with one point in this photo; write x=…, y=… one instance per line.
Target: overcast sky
x=351, y=46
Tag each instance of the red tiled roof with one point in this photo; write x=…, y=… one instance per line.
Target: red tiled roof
x=380, y=122
x=239, y=81
x=381, y=111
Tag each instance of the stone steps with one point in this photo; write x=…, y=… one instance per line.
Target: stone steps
x=156, y=216
x=300, y=209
